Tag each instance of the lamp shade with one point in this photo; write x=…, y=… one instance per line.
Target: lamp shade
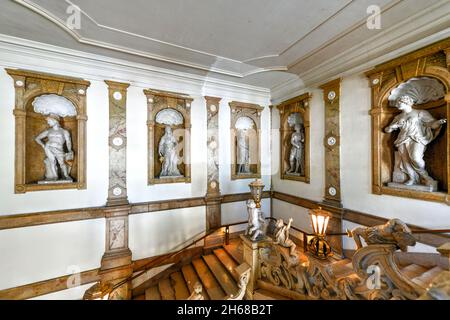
x=319, y=221
x=256, y=189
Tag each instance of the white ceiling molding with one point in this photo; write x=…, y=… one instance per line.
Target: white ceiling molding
x=234, y=66
x=32, y=55
x=385, y=46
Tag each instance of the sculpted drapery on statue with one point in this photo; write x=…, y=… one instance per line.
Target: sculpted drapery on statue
x=417, y=129
x=168, y=152
x=243, y=151
x=56, y=137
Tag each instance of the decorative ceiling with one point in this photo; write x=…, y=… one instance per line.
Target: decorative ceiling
x=262, y=43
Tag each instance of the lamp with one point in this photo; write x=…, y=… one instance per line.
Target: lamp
x=256, y=189
x=318, y=245
x=99, y=291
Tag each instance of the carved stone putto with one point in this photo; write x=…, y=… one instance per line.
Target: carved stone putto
x=394, y=232
x=256, y=228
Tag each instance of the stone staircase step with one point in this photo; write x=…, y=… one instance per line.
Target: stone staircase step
x=413, y=270
x=179, y=285
x=235, y=250
x=425, y=278
x=262, y=294
x=228, y=262
x=208, y=280
x=226, y=281
x=141, y=297
x=152, y=293
x=191, y=277
x=166, y=290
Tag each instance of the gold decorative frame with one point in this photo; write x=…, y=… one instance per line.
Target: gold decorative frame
x=300, y=105
x=29, y=85
x=432, y=61
x=253, y=111
x=157, y=101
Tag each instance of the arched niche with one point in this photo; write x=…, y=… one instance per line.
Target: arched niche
x=424, y=75
x=168, y=110
x=294, y=113
x=245, y=140
x=39, y=96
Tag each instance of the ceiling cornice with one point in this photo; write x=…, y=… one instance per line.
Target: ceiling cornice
x=372, y=52
x=28, y=54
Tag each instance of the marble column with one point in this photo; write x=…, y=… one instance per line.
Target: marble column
x=332, y=198
x=116, y=261
x=213, y=197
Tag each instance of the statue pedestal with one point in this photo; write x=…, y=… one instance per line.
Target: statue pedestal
x=55, y=181
x=431, y=188
x=251, y=257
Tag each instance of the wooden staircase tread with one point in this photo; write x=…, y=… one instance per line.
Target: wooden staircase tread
x=427, y=277
x=235, y=250
x=166, y=290
x=191, y=277
x=413, y=270
x=262, y=294
x=210, y=283
x=179, y=286
x=225, y=280
x=228, y=262
x=152, y=293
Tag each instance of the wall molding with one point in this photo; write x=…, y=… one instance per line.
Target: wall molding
x=365, y=219
x=72, y=215
x=27, y=54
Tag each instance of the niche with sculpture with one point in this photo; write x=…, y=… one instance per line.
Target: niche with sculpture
x=50, y=124
x=410, y=137
x=245, y=140
x=169, y=125
x=294, y=138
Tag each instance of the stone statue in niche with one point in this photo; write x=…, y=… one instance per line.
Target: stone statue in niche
x=243, y=152
x=243, y=127
x=417, y=129
x=55, y=153
x=296, y=158
x=167, y=150
x=167, y=147
x=256, y=222
x=55, y=141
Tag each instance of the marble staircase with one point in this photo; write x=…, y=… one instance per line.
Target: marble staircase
x=216, y=271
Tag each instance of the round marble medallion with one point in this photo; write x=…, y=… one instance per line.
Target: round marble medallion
x=19, y=83
x=331, y=95
x=117, y=141
x=213, y=108
x=117, y=95
x=375, y=81
x=81, y=91
x=213, y=185
x=332, y=191
x=331, y=141
x=150, y=100
x=117, y=191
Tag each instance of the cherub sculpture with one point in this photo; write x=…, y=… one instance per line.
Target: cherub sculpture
x=197, y=293
x=394, y=232
x=282, y=236
x=256, y=223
